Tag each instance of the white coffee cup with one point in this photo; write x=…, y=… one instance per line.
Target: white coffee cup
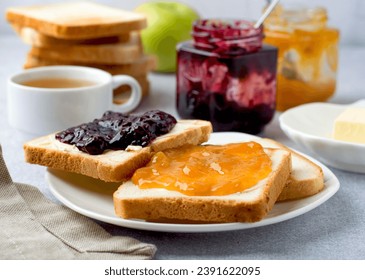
x=39, y=110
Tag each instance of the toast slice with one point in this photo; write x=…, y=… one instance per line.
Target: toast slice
x=32, y=37
x=139, y=67
x=112, y=166
x=119, y=53
x=251, y=205
x=76, y=20
x=306, y=178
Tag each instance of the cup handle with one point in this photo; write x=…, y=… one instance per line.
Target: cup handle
x=136, y=94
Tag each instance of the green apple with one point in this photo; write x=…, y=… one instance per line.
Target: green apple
x=168, y=23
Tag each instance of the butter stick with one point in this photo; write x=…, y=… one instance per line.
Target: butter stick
x=350, y=126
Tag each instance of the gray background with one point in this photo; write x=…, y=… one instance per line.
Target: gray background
x=335, y=230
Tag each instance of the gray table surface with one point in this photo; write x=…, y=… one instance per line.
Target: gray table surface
x=334, y=230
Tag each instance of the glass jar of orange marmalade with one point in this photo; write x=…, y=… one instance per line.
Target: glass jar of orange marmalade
x=308, y=54
x=227, y=75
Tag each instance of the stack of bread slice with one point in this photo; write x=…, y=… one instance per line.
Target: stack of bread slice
x=84, y=33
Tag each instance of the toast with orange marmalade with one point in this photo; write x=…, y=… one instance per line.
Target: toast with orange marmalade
x=229, y=183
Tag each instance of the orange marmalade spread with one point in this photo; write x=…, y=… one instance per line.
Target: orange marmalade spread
x=206, y=170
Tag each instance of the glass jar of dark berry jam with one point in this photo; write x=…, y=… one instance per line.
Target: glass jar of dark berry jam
x=227, y=76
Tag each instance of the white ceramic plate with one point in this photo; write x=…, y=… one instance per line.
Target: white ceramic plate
x=93, y=198
x=311, y=126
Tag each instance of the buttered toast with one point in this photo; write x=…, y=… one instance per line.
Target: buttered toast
x=250, y=205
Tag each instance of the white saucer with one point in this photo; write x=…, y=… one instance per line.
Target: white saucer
x=93, y=198
x=311, y=126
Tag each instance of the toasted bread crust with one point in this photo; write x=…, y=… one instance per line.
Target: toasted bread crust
x=85, y=164
x=32, y=37
x=120, y=53
x=138, y=69
x=111, y=166
x=75, y=32
x=93, y=20
x=207, y=210
x=297, y=188
x=190, y=136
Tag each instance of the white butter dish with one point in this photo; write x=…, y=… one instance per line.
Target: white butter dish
x=311, y=126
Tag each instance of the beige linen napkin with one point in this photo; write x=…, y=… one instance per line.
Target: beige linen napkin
x=32, y=227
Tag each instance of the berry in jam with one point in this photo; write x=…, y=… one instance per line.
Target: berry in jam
x=227, y=76
x=116, y=131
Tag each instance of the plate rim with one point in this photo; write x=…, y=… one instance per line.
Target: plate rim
x=333, y=186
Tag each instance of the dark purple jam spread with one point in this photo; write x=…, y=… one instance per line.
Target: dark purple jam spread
x=116, y=131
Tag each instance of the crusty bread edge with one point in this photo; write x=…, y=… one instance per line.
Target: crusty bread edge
x=90, y=54
x=300, y=189
x=86, y=164
x=32, y=37
x=186, y=208
x=139, y=67
x=77, y=31
x=191, y=136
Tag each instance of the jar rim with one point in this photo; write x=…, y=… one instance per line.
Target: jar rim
x=297, y=17
x=226, y=28
x=304, y=14
x=227, y=36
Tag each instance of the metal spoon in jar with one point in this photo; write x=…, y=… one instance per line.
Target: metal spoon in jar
x=266, y=13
